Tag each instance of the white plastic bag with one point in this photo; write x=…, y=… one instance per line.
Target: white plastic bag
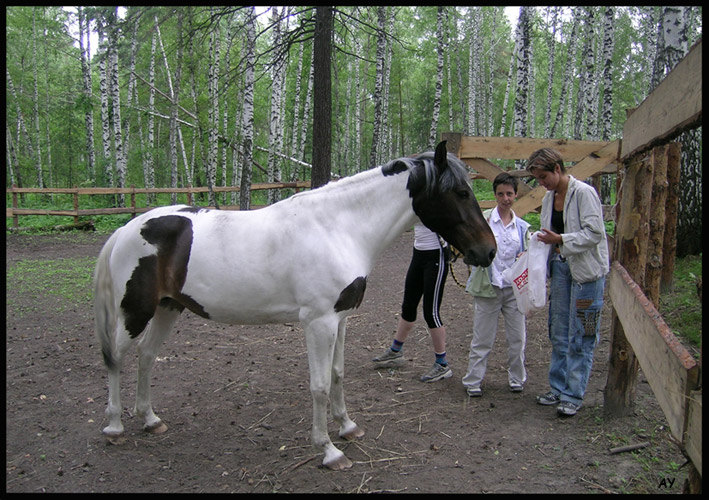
x=538, y=255
x=528, y=276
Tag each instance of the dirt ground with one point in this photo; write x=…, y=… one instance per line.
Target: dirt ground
x=238, y=407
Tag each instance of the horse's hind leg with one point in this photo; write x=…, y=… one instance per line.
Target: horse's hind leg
x=157, y=331
x=114, y=430
x=348, y=429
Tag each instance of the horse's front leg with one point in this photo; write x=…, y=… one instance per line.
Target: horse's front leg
x=348, y=429
x=320, y=337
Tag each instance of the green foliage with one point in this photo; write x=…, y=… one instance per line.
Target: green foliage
x=680, y=306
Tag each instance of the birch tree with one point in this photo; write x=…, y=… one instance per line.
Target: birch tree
x=432, y=135
x=567, y=80
x=103, y=89
x=84, y=27
x=116, y=101
x=554, y=14
x=523, y=69
x=247, y=151
x=275, y=138
x=378, y=85
x=35, y=102
x=672, y=45
x=213, y=119
x=148, y=166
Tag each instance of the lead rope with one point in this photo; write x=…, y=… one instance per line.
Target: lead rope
x=454, y=256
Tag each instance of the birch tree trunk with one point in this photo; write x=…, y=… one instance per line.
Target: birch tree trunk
x=523, y=71
x=385, y=132
x=148, y=166
x=105, y=122
x=607, y=105
x=116, y=100
x=378, y=84
x=35, y=102
x=88, y=93
x=275, y=138
x=293, y=150
x=247, y=143
x=213, y=149
x=566, y=82
x=439, y=80
x=474, y=71
x=672, y=45
x=554, y=13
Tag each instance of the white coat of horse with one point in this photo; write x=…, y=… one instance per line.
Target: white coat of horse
x=304, y=259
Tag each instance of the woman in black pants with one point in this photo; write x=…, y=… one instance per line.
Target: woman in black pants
x=425, y=278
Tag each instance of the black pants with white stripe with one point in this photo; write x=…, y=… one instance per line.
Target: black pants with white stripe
x=425, y=278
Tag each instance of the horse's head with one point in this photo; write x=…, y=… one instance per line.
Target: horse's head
x=445, y=203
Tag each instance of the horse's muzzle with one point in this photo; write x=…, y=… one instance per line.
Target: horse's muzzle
x=473, y=258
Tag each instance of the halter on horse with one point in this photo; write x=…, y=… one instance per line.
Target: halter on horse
x=220, y=265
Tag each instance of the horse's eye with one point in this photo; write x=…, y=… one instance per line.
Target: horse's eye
x=464, y=194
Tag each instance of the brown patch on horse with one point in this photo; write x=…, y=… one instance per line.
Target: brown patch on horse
x=351, y=296
x=158, y=279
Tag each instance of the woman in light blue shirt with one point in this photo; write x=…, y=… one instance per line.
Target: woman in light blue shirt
x=494, y=295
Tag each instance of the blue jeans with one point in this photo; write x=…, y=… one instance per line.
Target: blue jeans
x=574, y=326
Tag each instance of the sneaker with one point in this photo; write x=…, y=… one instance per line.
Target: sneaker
x=388, y=356
x=548, y=399
x=514, y=387
x=474, y=392
x=567, y=409
x=437, y=373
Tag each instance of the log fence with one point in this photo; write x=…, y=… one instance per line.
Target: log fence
x=133, y=209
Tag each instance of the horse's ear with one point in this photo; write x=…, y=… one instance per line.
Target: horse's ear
x=440, y=157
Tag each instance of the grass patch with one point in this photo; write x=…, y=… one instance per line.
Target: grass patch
x=680, y=307
x=68, y=279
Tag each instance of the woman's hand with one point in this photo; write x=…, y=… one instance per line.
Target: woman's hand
x=549, y=237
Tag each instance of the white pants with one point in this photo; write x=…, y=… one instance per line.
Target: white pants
x=487, y=312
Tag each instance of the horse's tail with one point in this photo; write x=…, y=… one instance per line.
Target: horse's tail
x=104, y=303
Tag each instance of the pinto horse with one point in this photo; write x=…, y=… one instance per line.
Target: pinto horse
x=305, y=259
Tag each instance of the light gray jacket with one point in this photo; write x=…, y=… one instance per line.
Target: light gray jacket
x=585, y=246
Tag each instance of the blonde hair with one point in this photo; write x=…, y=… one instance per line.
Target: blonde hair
x=545, y=159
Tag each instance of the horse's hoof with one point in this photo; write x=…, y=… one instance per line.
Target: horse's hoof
x=339, y=463
x=156, y=428
x=115, y=438
x=352, y=434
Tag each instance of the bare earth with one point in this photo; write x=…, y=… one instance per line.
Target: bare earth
x=238, y=407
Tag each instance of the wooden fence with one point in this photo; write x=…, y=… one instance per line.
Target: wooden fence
x=15, y=211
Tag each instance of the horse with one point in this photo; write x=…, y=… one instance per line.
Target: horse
x=305, y=258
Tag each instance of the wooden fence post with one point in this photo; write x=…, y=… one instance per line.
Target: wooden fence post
x=669, y=245
x=631, y=251
x=132, y=201
x=76, y=204
x=653, y=268
x=15, y=217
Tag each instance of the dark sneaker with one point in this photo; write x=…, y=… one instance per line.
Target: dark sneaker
x=567, y=409
x=548, y=399
x=388, y=356
x=437, y=373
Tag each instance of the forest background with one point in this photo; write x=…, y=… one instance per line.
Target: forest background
x=178, y=96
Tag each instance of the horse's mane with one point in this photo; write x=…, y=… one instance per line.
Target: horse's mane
x=424, y=172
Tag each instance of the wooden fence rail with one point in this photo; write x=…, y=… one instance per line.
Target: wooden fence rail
x=15, y=211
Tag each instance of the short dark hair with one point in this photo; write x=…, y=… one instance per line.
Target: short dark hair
x=545, y=159
x=504, y=178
